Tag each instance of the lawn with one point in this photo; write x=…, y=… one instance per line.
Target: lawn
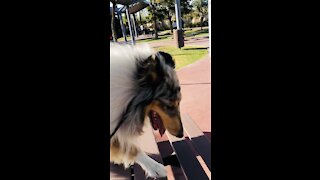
x=160, y=38
x=196, y=32
x=202, y=35
x=186, y=55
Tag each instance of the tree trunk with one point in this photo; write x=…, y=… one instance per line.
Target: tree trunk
x=201, y=22
x=113, y=24
x=169, y=18
x=154, y=22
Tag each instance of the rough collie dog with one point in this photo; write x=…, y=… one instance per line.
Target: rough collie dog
x=144, y=88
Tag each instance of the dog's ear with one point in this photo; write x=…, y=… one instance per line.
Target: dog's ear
x=148, y=70
x=168, y=59
x=151, y=70
x=154, y=60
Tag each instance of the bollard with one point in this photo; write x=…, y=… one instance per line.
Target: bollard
x=178, y=38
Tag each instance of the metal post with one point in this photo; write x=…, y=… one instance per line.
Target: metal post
x=123, y=29
x=134, y=25
x=178, y=34
x=129, y=24
x=178, y=14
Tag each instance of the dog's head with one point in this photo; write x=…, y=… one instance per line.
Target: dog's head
x=158, y=79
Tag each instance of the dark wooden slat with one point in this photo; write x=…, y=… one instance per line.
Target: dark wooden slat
x=148, y=144
x=200, y=143
x=188, y=161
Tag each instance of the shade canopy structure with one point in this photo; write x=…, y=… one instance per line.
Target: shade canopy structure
x=132, y=5
x=129, y=7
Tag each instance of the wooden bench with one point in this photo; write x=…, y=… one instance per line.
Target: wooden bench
x=192, y=152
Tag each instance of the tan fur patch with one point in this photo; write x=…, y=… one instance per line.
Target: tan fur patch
x=172, y=124
x=133, y=152
x=115, y=151
x=122, y=154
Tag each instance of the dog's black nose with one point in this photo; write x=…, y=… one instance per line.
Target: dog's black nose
x=180, y=134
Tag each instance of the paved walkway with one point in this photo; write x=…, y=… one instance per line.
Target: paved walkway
x=195, y=81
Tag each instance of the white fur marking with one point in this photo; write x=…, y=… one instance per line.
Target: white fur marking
x=152, y=168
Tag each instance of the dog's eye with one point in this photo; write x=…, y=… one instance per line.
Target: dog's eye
x=169, y=107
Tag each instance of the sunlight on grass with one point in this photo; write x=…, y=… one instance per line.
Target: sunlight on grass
x=186, y=55
x=202, y=35
x=196, y=32
x=160, y=38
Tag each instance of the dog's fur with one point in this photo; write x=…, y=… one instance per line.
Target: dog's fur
x=143, y=84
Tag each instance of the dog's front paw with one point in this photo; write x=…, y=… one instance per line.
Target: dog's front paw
x=152, y=168
x=156, y=170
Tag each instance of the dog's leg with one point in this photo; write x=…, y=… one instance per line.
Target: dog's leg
x=127, y=156
x=152, y=168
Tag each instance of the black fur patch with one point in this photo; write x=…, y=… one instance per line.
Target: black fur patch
x=150, y=72
x=168, y=59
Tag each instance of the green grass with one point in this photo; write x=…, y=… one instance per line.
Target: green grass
x=202, y=35
x=165, y=32
x=186, y=55
x=196, y=32
x=160, y=38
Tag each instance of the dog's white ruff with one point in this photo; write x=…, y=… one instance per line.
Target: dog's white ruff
x=122, y=69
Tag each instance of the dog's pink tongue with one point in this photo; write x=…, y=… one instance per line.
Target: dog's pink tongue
x=157, y=124
x=162, y=129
